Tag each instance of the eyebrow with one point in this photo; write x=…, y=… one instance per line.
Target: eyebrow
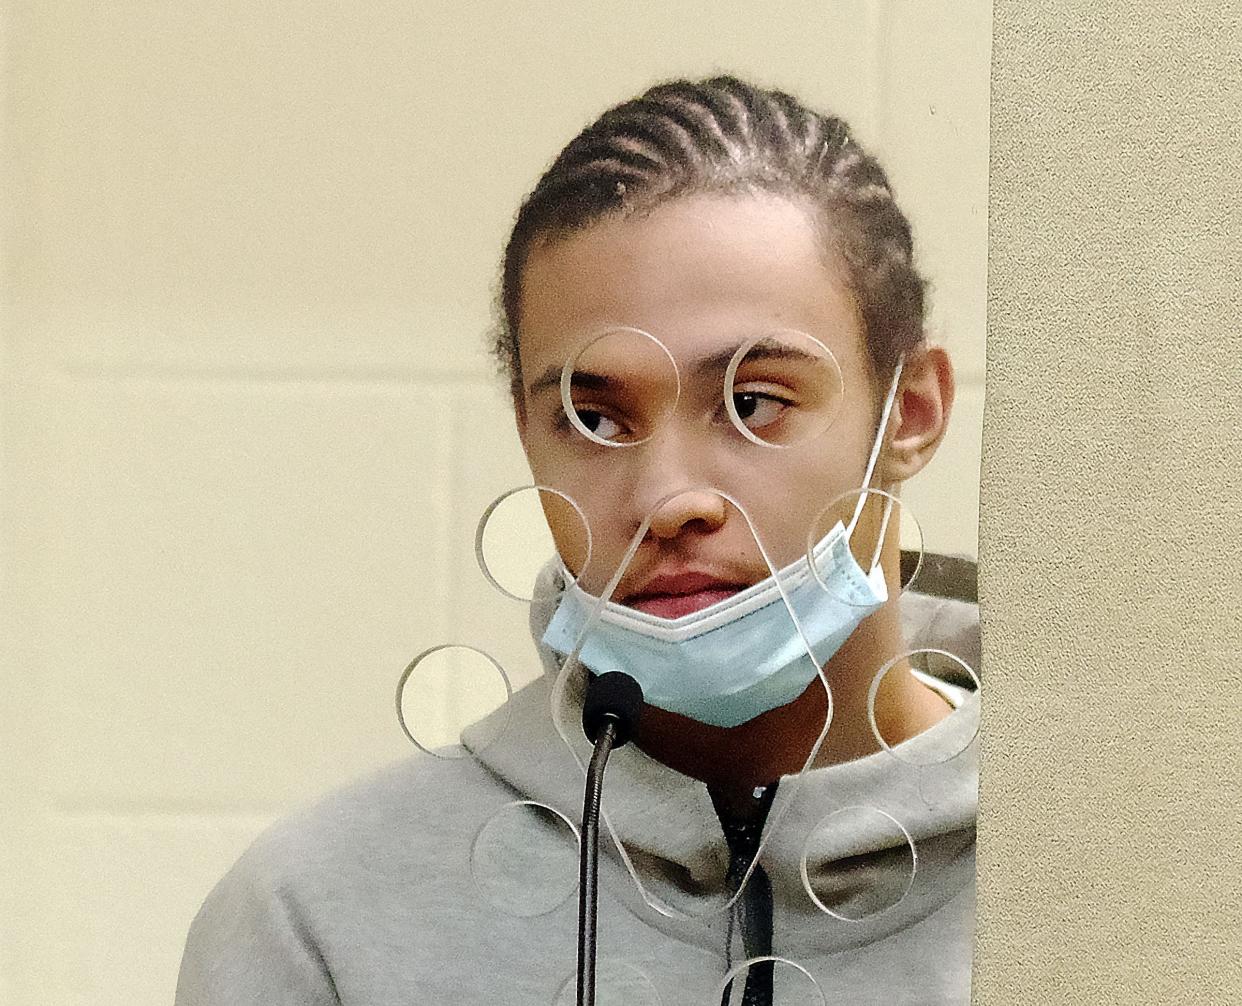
x=551, y=378
x=764, y=349
x=715, y=363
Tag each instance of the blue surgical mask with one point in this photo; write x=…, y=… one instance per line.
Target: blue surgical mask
x=745, y=655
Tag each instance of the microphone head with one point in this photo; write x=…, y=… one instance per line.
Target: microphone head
x=611, y=696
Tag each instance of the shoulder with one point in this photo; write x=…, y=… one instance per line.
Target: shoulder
x=949, y=624
x=281, y=924
x=376, y=823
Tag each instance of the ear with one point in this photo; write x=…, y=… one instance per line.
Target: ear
x=920, y=414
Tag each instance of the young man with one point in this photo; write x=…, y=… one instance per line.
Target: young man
x=713, y=330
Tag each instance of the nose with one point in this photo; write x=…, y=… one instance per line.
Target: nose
x=673, y=481
x=699, y=509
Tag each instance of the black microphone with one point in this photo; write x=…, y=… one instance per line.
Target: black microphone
x=613, y=696
x=610, y=713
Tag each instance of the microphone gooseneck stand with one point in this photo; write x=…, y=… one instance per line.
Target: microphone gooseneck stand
x=609, y=717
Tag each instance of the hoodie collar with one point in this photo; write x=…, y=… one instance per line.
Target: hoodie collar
x=673, y=838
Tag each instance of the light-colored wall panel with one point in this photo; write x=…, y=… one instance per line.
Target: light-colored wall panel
x=488, y=462
x=112, y=899
x=230, y=582
x=930, y=122
x=241, y=184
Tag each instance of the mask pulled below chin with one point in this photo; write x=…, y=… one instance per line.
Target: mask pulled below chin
x=738, y=658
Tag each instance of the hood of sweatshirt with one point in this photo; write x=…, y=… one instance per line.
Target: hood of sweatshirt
x=855, y=851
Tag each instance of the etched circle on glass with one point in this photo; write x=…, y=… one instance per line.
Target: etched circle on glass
x=783, y=388
x=513, y=543
x=790, y=983
x=448, y=688
x=621, y=388
x=524, y=859
x=849, y=884
x=951, y=679
x=616, y=984
x=847, y=539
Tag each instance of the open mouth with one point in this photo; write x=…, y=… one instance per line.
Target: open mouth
x=681, y=594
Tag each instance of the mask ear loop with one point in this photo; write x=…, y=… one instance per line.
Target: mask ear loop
x=889, y=399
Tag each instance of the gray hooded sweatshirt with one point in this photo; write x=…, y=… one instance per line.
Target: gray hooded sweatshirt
x=427, y=884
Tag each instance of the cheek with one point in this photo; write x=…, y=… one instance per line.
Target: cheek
x=591, y=550
x=790, y=494
x=567, y=529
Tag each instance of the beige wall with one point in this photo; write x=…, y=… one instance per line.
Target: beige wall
x=247, y=421
x=1112, y=482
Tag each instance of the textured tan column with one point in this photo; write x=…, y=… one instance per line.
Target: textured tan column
x=1110, y=508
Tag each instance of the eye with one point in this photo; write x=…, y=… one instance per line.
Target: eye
x=600, y=425
x=757, y=409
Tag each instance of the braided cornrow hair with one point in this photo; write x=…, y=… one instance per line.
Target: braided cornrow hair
x=724, y=135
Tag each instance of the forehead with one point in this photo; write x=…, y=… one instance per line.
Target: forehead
x=700, y=273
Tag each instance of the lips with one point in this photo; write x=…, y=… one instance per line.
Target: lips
x=676, y=594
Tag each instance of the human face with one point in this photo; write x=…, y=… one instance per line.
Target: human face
x=704, y=275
